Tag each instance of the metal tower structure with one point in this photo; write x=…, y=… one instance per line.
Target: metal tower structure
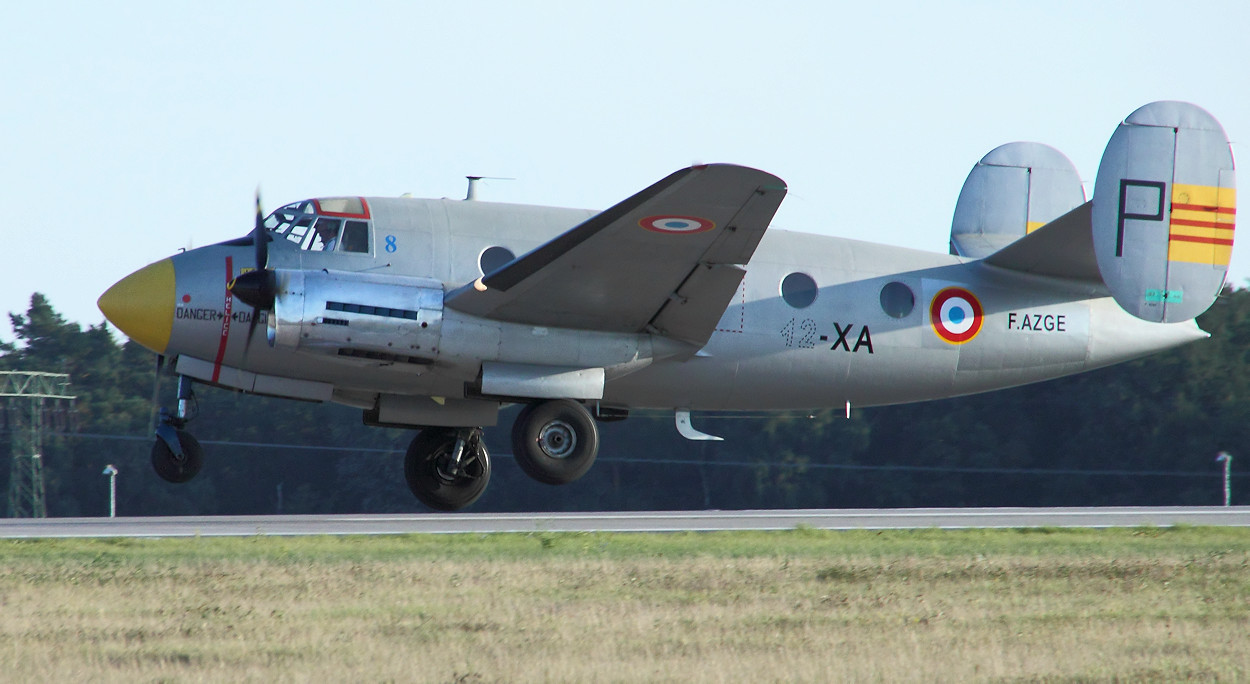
x=31, y=403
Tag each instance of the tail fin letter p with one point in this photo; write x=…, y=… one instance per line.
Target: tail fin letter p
x=1138, y=200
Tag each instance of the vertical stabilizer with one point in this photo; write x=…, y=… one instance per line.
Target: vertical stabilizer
x=1014, y=190
x=1163, y=211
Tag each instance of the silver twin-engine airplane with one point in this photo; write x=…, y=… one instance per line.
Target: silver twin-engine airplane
x=435, y=313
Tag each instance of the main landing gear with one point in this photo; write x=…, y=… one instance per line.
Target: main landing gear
x=176, y=455
x=447, y=468
x=554, y=442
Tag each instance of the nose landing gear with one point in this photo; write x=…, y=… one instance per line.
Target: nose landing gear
x=176, y=455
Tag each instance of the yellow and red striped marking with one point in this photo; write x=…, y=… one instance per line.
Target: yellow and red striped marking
x=1201, y=228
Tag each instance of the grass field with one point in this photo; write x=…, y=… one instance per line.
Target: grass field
x=1146, y=604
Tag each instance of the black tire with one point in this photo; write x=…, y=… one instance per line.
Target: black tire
x=425, y=470
x=555, y=442
x=173, y=468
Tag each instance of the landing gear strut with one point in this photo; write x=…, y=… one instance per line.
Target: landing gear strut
x=555, y=441
x=176, y=455
x=447, y=468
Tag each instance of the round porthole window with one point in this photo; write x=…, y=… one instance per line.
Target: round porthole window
x=799, y=290
x=494, y=257
x=897, y=300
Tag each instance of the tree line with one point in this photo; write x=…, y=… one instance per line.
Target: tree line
x=1141, y=433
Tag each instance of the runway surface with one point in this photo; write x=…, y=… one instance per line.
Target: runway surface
x=661, y=521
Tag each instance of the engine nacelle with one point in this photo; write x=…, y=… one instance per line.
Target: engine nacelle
x=389, y=318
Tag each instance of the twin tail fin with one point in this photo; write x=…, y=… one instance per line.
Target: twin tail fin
x=1158, y=232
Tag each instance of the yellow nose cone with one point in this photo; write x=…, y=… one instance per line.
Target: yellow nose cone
x=142, y=305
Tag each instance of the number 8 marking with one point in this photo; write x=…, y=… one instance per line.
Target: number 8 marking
x=390, y=243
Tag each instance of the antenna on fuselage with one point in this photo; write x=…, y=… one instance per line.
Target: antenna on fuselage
x=473, y=180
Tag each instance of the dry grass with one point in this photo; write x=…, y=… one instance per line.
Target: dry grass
x=799, y=606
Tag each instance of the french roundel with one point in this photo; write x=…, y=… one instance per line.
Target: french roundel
x=955, y=315
x=676, y=224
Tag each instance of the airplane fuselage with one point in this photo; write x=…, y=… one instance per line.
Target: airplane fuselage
x=766, y=353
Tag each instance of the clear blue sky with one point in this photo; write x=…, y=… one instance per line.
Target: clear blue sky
x=130, y=130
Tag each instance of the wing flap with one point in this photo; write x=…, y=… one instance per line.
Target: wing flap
x=692, y=313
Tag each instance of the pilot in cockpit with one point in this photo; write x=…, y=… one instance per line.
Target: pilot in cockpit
x=327, y=234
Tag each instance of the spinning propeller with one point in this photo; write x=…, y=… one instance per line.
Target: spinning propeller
x=257, y=288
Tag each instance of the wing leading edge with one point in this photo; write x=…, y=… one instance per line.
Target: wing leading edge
x=667, y=260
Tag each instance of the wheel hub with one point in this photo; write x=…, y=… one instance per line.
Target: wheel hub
x=557, y=439
x=449, y=471
x=443, y=469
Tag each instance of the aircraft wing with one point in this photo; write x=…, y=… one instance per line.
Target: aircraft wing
x=667, y=260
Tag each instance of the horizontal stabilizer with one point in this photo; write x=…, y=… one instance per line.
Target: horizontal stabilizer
x=663, y=261
x=1063, y=248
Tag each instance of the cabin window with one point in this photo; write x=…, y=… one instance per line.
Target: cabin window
x=799, y=290
x=492, y=258
x=897, y=300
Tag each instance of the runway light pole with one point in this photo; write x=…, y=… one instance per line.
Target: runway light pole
x=112, y=473
x=1227, y=459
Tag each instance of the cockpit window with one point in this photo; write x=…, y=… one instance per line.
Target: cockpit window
x=343, y=206
x=325, y=234
x=338, y=224
x=292, y=221
x=355, y=236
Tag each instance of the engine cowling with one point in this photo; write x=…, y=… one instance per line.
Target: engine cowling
x=392, y=318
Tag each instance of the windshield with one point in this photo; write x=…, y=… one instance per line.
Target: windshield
x=335, y=224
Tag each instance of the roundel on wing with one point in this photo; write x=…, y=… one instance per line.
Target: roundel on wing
x=955, y=315
x=676, y=224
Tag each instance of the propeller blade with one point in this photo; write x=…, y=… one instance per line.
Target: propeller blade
x=260, y=237
x=257, y=288
x=251, y=330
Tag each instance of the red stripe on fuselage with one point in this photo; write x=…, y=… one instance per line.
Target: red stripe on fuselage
x=225, y=322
